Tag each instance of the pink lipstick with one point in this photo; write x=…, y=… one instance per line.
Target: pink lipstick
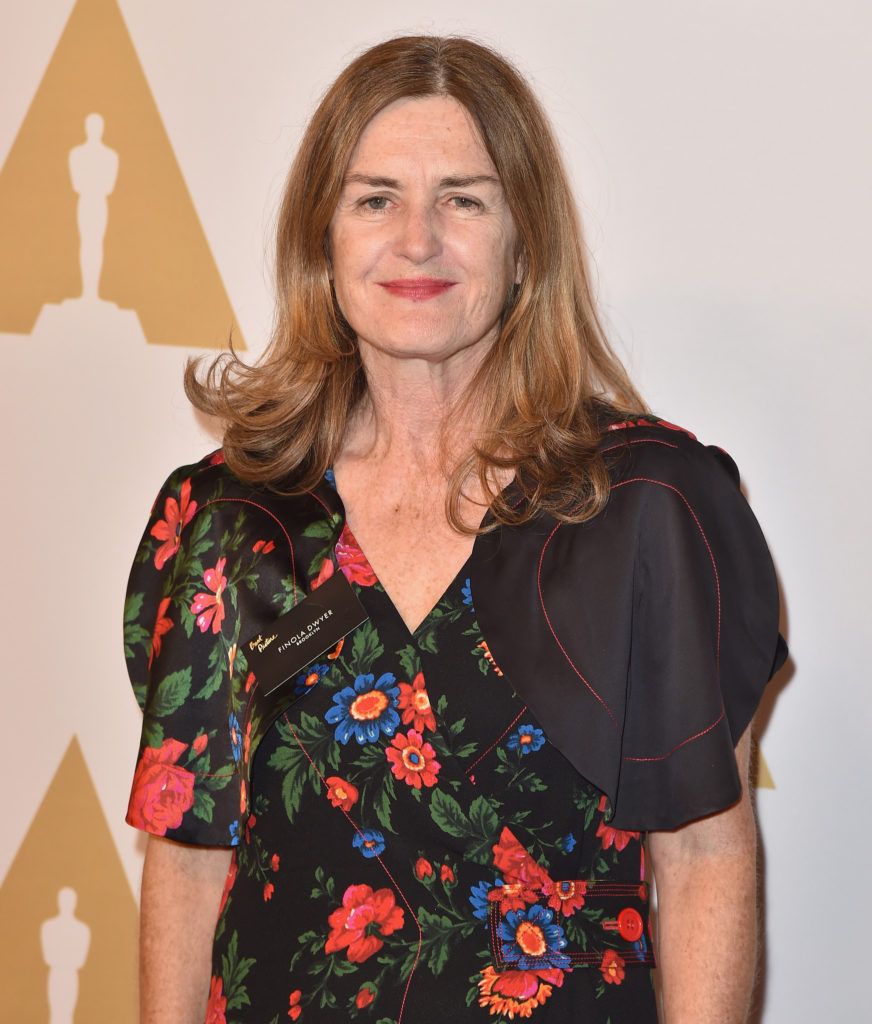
x=417, y=288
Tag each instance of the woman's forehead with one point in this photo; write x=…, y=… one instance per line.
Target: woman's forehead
x=422, y=129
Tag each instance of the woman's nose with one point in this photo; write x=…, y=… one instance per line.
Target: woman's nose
x=419, y=236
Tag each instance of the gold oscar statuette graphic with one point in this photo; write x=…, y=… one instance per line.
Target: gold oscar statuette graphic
x=98, y=225
x=68, y=943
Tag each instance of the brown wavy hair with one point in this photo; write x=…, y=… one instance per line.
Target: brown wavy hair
x=548, y=385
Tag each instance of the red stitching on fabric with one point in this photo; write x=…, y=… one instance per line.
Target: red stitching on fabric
x=630, y=955
x=384, y=868
x=496, y=741
x=662, y=483
x=639, y=440
x=322, y=503
x=281, y=525
x=676, y=490
x=554, y=634
x=702, y=732
x=690, y=739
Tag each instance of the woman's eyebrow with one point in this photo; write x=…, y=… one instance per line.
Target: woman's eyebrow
x=463, y=181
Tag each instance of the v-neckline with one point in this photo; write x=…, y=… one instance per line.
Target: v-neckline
x=464, y=569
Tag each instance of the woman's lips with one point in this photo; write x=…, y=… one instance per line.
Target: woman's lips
x=417, y=288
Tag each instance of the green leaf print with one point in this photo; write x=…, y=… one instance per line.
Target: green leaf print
x=134, y=633
x=322, y=529
x=234, y=971
x=436, y=938
x=204, y=805
x=484, y=818
x=152, y=732
x=198, y=541
x=366, y=647
x=479, y=827
x=448, y=814
x=410, y=661
x=291, y=760
x=289, y=596
x=216, y=675
x=170, y=693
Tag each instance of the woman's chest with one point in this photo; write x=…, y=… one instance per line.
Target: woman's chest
x=414, y=555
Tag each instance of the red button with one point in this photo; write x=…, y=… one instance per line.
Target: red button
x=630, y=924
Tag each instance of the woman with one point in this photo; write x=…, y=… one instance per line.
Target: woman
x=441, y=804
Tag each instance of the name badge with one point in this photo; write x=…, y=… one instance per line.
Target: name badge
x=303, y=634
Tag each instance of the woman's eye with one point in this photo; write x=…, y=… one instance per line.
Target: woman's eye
x=466, y=203
x=375, y=203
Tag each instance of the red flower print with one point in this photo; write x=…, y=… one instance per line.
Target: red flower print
x=446, y=874
x=363, y=913
x=217, y=457
x=177, y=515
x=199, y=744
x=414, y=704
x=325, y=572
x=216, y=1008
x=614, y=836
x=294, y=1003
x=209, y=608
x=423, y=869
x=523, y=877
x=246, y=742
x=249, y=682
x=243, y=802
x=516, y=993
x=489, y=658
x=162, y=790
x=162, y=625
x=566, y=896
x=274, y=862
x=413, y=760
x=229, y=882
x=263, y=546
x=268, y=891
x=341, y=793
x=364, y=997
x=352, y=561
x=612, y=967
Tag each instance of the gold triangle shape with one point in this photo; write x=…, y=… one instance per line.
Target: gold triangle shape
x=761, y=774
x=156, y=259
x=69, y=848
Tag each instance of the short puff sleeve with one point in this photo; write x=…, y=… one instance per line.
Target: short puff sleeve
x=178, y=630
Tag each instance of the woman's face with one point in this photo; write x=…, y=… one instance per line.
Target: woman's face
x=422, y=242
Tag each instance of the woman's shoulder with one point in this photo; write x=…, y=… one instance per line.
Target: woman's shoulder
x=189, y=487
x=650, y=447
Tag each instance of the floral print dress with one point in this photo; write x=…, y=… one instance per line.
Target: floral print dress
x=408, y=845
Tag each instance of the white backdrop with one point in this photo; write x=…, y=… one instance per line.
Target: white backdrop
x=722, y=158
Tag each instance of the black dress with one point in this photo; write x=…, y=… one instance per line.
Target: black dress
x=449, y=823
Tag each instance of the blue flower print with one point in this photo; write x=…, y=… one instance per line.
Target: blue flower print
x=235, y=736
x=370, y=842
x=531, y=941
x=366, y=709
x=311, y=677
x=234, y=833
x=641, y=948
x=525, y=739
x=466, y=590
x=478, y=898
x=329, y=477
x=566, y=843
